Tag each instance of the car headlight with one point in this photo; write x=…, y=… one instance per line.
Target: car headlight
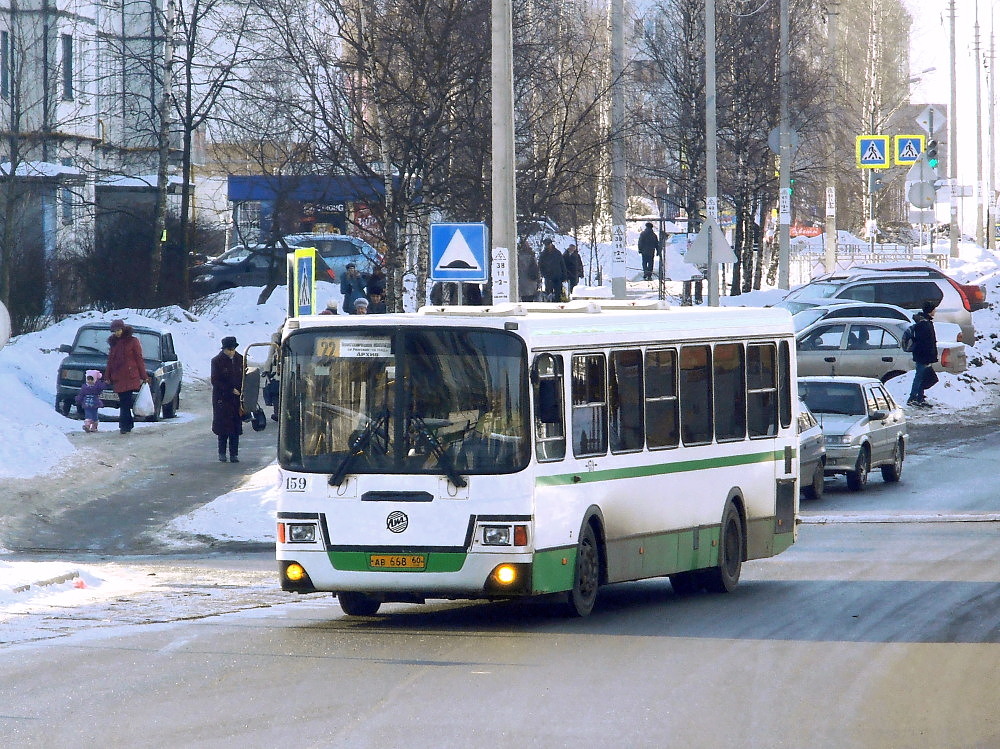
x=301, y=533
x=839, y=439
x=202, y=278
x=71, y=375
x=496, y=535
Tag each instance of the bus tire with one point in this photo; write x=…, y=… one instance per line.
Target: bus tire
x=358, y=604
x=587, y=575
x=725, y=577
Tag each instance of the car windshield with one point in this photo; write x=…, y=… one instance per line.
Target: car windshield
x=817, y=290
x=95, y=341
x=801, y=320
x=371, y=400
x=833, y=398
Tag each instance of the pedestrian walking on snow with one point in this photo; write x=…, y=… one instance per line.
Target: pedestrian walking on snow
x=648, y=245
x=227, y=384
x=126, y=371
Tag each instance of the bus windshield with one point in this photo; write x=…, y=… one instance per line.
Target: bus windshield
x=446, y=401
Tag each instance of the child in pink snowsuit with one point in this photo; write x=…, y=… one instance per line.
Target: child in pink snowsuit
x=89, y=399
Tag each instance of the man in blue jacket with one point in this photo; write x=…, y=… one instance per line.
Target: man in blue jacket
x=924, y=353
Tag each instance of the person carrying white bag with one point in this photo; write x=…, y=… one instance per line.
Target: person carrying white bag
x=126, y=371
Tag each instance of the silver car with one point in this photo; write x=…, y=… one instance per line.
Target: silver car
x=863, y=426
x=812, y=453
x=866, y=347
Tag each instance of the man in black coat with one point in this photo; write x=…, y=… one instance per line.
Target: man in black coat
x=553, y=269
x=574, y=267
x=924, y=353
x=649, y=243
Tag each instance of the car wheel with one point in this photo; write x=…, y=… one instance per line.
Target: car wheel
x=170, y=409
x=892, y=472
x=587, y=575
x=858, y=478
x=64, y=406
x=816, y=488
x=358, y=604
x=157, y=405
x=724, y=578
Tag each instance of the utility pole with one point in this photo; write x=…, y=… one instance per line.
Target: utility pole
x=953, y=141
x=991, y=216
x=711, y=154
x=784, y=170
x=830, y=253
x=980, y=203
x=504, y=229
x=617, y=21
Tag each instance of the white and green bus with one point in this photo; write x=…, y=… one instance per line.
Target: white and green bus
x=532, y=449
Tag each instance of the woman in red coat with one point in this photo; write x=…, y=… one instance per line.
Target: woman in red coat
x=227, y=382
x=126, y=371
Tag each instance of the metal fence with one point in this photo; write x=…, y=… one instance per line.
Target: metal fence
x=805, y=266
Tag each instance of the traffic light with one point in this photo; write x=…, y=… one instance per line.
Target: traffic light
x=932, y=154
x=875, y=181
x=791, y=186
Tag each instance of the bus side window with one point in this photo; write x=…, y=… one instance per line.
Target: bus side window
x=785, y=384
x=625, y=394
x=730, y=392
x=696, y=394
x=590, y=405
x=662, y=418
x=762, y=390
x=547, y=380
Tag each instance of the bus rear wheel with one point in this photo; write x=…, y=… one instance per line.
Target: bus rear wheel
x=358, y=604
x=725, y=577
x=587, y=575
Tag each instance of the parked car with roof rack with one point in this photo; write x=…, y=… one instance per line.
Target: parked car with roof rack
x=905, y=286
x=866, y=347
x=807, y=311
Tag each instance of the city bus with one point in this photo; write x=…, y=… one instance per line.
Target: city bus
x=533, y=449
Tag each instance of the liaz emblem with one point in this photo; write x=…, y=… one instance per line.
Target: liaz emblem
x=397, y=521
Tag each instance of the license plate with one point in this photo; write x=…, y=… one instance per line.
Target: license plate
x=397, y=562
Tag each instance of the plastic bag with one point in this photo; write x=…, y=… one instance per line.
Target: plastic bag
x=143, y=405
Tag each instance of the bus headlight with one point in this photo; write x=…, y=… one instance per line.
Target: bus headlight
x=505, y=574
x=301, y=533
x=496, y=535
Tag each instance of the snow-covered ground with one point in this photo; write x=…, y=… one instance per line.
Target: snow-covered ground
x=33, y=438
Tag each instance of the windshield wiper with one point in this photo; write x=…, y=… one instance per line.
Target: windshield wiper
x=90, y=348
x=443, y=458
x=358, y=444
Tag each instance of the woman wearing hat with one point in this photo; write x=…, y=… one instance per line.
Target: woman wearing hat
x=126, y=371
x=227, y=381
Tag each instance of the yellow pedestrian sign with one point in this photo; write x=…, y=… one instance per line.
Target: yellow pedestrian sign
x=907, y=149
x=872, y=151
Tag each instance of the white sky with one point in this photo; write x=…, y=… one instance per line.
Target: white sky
x=930, y=47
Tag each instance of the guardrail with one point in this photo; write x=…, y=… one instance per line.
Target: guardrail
x=805, y=266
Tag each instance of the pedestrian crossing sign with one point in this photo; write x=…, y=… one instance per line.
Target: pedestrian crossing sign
x=908, y=149
x=873, y=151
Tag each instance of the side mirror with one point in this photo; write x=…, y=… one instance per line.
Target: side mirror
x=878, y=415
x=65, y=348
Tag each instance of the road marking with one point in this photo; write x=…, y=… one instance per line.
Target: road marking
x=923, y=517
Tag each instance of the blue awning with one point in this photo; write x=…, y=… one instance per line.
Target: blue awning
x=308, y=188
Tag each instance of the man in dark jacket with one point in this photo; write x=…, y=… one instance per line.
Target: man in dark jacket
x=574, y=267
x=648, y=245
x=924, y=353
x=353, y=285
x=527, y=273
x=553, y=270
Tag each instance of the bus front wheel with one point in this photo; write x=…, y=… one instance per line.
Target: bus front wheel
x=358, y=604
x=587, y=575
x=725, y=577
